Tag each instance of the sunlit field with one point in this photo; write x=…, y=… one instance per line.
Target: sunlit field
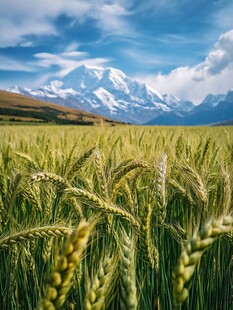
x=116, y=217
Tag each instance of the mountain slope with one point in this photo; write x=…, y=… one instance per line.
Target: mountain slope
x=107, y=92
x=212, y=100
x=18, y=107
x=205, y=113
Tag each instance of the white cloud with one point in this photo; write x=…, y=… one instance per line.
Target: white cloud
x=145, y=58
x=13, y=32
x=213, y=75
x=110, y=18
x=22, y=18
x=27, y=44
x=73, y=46
x=66, y=61
x=74, y=54
x=9, y=64
x=158, y=6
x=43, y=62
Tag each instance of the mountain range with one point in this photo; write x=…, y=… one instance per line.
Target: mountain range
x=111, y=93
x=213, y=110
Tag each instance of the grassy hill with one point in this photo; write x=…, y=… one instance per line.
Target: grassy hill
x=20, y=108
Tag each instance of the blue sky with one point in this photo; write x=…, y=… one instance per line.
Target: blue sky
x=183, y=47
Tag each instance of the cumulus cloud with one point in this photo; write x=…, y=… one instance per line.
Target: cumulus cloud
x=213, y=75
x=19, y=19
x=222, y=55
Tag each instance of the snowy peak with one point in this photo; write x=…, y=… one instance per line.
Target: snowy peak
x=83, y=77
x=114, y=79
x=108, y=92
x=176, y=103
x=229, y=96
x=212, y=100
x=90, y=78
x=107, y=98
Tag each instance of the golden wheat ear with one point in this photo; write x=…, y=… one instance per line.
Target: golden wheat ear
x=128, y=297
x=32, y=234
x=100, y=287
x=60, y=280
x=193, y=252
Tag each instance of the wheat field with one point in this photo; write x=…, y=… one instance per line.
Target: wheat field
x=116, y=218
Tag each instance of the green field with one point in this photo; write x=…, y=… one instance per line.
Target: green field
x=116, y=217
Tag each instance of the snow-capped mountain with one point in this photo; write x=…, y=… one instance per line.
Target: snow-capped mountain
x=178, y=104
x=229, y=96
x=213, y=110
x=212, y=100
x=108, y=92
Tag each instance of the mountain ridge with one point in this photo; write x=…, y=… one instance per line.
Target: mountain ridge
x=108, y=92
x=111, y=93
x=203, y=114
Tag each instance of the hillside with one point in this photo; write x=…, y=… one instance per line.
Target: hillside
x=17, y=107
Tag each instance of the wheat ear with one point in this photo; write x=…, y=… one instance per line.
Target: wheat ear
x=100, y=286
x=3, y=184
x=128, y=297
x=196, y=183
x=100, y=174
x=33, y=233
x=60, y=283
x=125, y=170
x=97, y=203
x=26, y=157
x=161, y=189
x=49, y=177
x=3, y=215
x=191, y=255
x=149, y=249
x=12, y=192
x=79, y=163
x=31, y=196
